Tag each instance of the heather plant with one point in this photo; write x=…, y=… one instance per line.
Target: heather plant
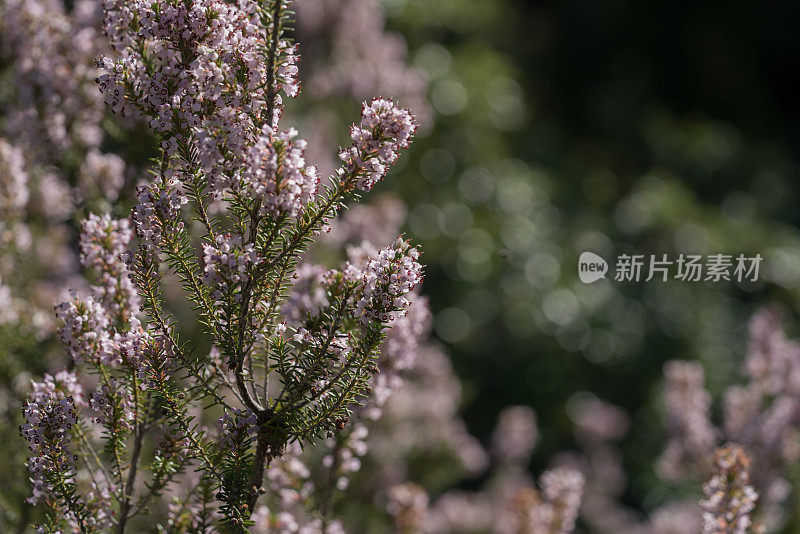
x=210, y=338
x=52, y=172
x=230, y=210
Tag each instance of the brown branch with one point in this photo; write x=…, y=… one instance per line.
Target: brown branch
x=125, y=505
x=255, y=218
x=267, y=441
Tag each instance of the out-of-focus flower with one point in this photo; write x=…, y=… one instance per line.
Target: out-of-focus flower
x=729, y=496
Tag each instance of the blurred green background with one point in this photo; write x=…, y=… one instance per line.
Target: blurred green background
x=612, y=126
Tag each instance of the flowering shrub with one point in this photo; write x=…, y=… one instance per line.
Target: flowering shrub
x=207, y=78
x=220, y=376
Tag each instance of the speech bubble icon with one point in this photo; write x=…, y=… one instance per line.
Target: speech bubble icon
x=591, y=267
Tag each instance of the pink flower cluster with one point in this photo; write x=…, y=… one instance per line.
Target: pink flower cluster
x=197, y=69
x=160, y=202
x=729, y=496
x=365, y=58
x=402, y=343
x=228, y=263
x=85, y=329
x=762, y=415
x=308, y=297
x=51, y=418
x=101, y=175
x=385, y=129
x=50, y=413
x=286, y=71
x=688, y=409
x=104, y=326
x=88, y=333
x=386, y=281
x=399, y=353
x=103, y=244
x=275, y=172
x=57, y=107
x=515, y=435
x=291, y=486
x=64, y=383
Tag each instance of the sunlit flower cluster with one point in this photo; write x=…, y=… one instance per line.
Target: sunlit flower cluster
x=202, y=73
x=384, y=130
x=386, y=280
x=275, y=172
x=228, y=262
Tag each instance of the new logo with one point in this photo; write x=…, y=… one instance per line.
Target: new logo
x=591, y=267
